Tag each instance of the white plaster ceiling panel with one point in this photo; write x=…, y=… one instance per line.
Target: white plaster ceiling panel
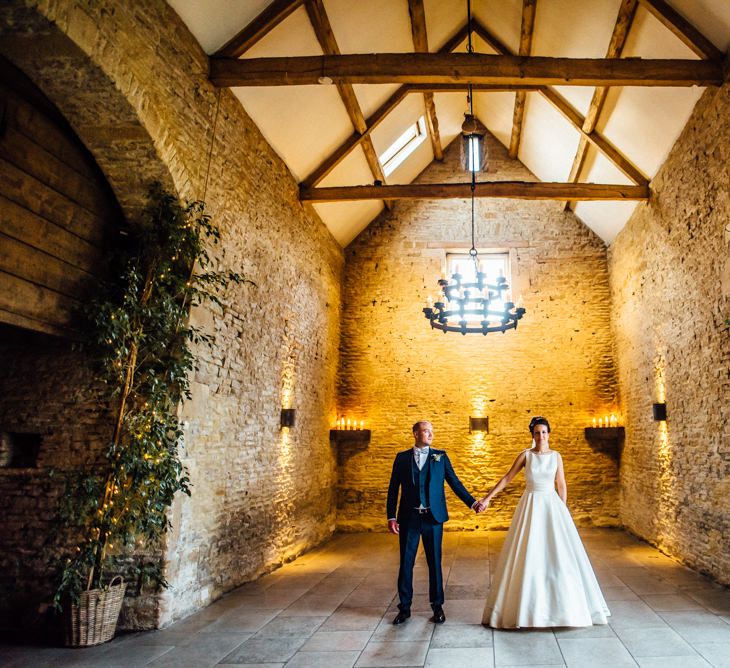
x=496, y=111
x=303, y=124
x=586, y=34
x=606, y=219
x=450, y=109
x=502, y=18
x=371, y=96
x=644, y=123
x=443, y=19
x=352, y=171
x=579, y=97
x=345, y=220
x=375, y=26
x=549, y=142
x=574, y=28
x=599, y=169
x=214, y=22
x=648, y=38
x=710, y=17
x=294, y=36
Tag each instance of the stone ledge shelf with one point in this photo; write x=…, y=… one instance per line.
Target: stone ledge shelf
x=350, y=435
x=349, y=443
x=608, y=440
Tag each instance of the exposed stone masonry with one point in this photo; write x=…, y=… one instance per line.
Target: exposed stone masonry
x=558, y=363
x=670, y=285
x=261, y=495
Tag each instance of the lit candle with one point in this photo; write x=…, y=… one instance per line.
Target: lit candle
x=607, y=421
x=600, y=422
x=362, y=424
x=520, y=302
x=613, y=420
x=594, y=423
x=348, y=423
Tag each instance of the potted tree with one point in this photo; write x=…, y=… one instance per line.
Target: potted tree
x=142, y=345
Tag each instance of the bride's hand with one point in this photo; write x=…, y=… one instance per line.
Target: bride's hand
x=482, y=505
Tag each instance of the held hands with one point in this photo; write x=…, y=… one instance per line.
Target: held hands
x=393, y=527
x=482, y=505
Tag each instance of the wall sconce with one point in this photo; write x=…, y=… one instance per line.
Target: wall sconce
x=659, y=411
x=288, y=417
x=478, y=424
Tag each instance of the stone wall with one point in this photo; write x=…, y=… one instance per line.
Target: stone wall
x=558, y=363
x=261, y=494
x=670, y=285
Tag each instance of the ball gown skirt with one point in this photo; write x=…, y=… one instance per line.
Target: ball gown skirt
x=543, y=576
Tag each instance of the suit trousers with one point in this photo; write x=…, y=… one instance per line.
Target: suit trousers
x=426, y=528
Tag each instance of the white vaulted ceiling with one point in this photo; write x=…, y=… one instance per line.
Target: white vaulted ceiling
x=305, y=124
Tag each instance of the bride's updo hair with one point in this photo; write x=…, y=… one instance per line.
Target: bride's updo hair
x=538, y=419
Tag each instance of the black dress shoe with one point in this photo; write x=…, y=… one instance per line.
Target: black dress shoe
x=438, y=615
x=401, y=617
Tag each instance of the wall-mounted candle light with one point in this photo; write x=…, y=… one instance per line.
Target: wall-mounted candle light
x=288, y=417
x=478, y=424
x=659, y=412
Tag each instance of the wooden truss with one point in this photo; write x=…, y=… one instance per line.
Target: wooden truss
x=425, y=73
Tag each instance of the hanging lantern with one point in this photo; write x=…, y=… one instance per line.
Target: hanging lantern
x=473, y=146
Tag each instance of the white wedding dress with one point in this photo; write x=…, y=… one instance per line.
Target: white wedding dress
x=543, y=576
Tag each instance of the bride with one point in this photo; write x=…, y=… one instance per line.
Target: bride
x=543, y=576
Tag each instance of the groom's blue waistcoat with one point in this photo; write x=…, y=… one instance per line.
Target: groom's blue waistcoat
x=429, y=482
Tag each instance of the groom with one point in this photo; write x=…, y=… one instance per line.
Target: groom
x=420, y=473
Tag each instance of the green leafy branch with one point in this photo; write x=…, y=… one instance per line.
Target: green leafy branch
x=142, y=344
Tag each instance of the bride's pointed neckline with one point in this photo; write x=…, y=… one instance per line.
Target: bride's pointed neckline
x=535, y=452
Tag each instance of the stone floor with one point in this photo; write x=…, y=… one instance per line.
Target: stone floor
x=333, y=607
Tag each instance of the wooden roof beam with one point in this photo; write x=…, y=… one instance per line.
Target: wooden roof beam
x=503, y=189
x=266, y=21
x=683, y=29
x=528, y=23
x=573, y=117
x=595, y=138
x=326, y=38
x=344, y=149
x=420, y=43
x=624, y=19
x=473, y=68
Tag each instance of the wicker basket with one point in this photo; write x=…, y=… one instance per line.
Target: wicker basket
x=94, y=620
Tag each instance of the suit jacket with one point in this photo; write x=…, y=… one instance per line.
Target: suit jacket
x=404, y=477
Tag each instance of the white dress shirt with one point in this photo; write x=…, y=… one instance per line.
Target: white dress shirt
x=421, y=455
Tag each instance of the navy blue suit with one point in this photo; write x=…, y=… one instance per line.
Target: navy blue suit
x=424, y=487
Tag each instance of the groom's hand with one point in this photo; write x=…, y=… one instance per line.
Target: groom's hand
x=393, y=527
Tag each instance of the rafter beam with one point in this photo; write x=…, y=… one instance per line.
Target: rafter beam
x=624, y=19
x=420, y=44
x=501, y=189
x=266, y=21
x=574, y=117
x=380, y=68
x=344, y=149
x=528, y=23
x=683, y=29
x=595, y=138
x=326, y=38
